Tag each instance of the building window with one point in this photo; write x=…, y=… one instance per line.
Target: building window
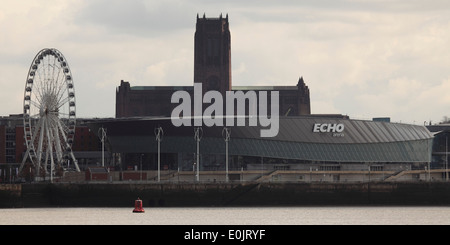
x=10, y=137
x=10, y=152
x=281, y=167
x=330, y=168
x=376, y=168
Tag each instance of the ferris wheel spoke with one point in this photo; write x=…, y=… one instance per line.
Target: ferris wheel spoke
x=36, y=104
x=35, y=116
x=57, y=83
x=61, y=86
x=53, y=67
x=40, y=79
x=53, y=70
x=48, y=76
x=38, y=88
x=43, y=65
x=62, y=93
x=63, y=102
x=59, y=95
x=37, y=100
x=63, y=127
x=64, y=114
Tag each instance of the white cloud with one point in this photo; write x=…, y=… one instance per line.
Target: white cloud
x=404, y=99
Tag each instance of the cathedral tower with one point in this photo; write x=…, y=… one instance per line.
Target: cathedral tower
x=212, y=54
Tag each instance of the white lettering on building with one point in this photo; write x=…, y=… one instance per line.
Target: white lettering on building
x=335, y=128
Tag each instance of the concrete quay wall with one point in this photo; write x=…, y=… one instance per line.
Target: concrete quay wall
x=222, y=194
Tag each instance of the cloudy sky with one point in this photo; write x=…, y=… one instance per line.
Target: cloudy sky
x=363, y=58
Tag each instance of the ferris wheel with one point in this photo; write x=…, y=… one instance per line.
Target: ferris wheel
x=49, y=114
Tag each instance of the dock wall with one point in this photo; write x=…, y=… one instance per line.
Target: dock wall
x=221, y=194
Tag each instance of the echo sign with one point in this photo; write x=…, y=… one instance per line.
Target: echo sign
x=336, y=128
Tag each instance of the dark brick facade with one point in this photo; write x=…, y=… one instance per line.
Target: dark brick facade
x=212, y=54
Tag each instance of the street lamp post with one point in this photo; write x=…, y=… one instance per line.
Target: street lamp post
x=140, y=173
x=159, y=134
x=446, y=158
x=226, y=133
x=197, y=136
x=102, y=134
x=193, y=170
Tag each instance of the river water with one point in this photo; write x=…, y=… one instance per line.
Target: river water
x=229, y=216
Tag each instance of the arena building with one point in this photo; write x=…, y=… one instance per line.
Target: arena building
x=319, y=143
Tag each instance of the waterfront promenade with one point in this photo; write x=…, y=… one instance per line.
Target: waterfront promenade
x=258, y=176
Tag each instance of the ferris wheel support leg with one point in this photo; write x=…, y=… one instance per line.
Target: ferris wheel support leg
x=38, y=166
x=57, y=145
x=71, y=152
x=52, y=163
x=29, y=147
x=25, y=157
x=75, y=161
x=41, y=140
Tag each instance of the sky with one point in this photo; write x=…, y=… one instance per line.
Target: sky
x=361, y=58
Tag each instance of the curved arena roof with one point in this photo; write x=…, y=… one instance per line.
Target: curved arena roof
x=302, y=138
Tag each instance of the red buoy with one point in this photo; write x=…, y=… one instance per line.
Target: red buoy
x=138, y=206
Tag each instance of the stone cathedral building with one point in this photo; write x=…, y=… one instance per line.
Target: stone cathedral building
x=212, y=68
